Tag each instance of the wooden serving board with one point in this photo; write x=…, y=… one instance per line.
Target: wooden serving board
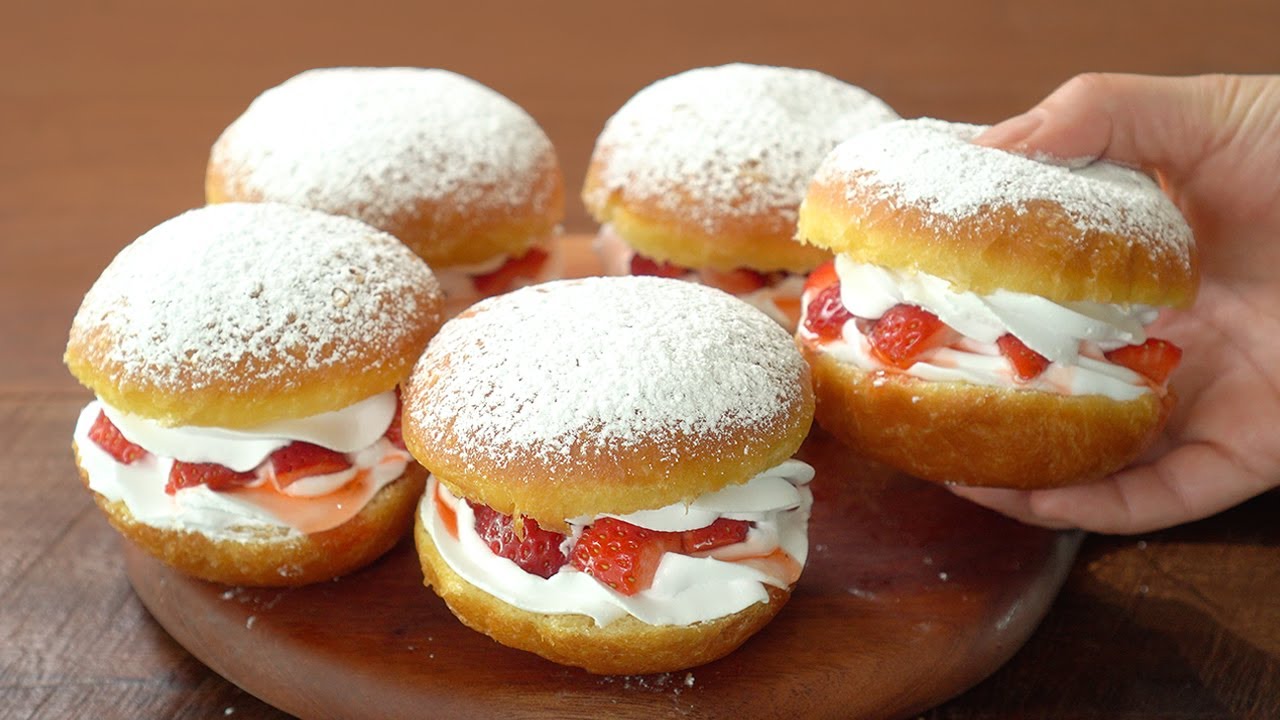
x=910, y=596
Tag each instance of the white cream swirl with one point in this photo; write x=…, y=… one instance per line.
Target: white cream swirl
x=685, y=589
x=309, y=505
x=1051, y=329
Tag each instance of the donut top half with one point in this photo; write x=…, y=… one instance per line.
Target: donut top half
x=458, y=172
x=605, y=395
x=917, y=195
x=706, y=168
x=238, y=314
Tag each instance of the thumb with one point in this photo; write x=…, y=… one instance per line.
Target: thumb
x=1157, y=123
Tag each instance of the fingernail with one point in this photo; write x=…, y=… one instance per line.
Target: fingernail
x=1012, y=132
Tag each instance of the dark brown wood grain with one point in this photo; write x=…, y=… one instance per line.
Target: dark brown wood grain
x=107, y=112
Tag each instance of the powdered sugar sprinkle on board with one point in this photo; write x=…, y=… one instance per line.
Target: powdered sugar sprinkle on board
x=931, y=164
x=371, y=142
x=730, y=141
x=621, y=360
x=266, y=289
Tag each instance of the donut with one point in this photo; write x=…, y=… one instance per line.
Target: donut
x=987, y=318
x=622, y=497
x=698, y=177
x=245, y=360
x=459, y=173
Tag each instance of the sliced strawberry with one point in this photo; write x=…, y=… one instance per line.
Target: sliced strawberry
x=107, y=436
x=905, y=332
x=821, y=276
x=395, y=432
x=826, y=314
x=718, y=534
x=298, y=460
x=217, y=477
x=537, y=553
x=501, y=280
x=641, y=265
x=1153, y=359
x=1027, y=363
x=621, y=555
x=738, y=281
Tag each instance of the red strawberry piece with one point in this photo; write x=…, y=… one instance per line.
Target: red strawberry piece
x=739, y=281
x=826, y=314
x=217, y=477
x=298, y=460
x=501, y=280
x=395, y=432
x=107, y=436
x=906, y=332
x=621, y=555
x=537, y=553
x=641, y=265
x=1153, y=359
x=718, y=534
x=822, y=276
x=1027, y=363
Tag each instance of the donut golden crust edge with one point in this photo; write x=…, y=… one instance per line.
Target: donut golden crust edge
x=446, y=231
x=963, y=434
x=759, y=241
x=625, y=646
x=595, y=477
x=279, y=560
x=1034, y=248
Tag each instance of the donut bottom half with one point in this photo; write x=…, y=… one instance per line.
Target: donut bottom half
x=963, y=434
x=279, y=559
x=625, y=646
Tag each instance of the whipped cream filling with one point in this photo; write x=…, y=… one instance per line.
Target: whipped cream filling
x=1056, y=331
x=458, y=281
x=775, y=299
x=685, y=589
x=306, y=506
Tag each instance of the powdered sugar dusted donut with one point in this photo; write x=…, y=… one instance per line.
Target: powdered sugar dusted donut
x=461, y=174
x=986, y=319
x=245, y=359
x=699, y=176
x=642, y=410
x=241, y=314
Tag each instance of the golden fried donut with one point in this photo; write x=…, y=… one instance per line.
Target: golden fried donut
x=601, y=426
x=461, y=174
x=245, y=359
x=705, y=169
x=987, y=318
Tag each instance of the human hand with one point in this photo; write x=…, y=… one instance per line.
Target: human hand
x=1214, y=144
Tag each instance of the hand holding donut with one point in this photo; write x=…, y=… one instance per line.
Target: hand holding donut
x=1212, y=141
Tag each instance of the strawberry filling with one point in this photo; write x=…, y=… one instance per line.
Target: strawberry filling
x=907, y=334
x=738, y=281
x=284, y=467
x=623, y=556
x=525, y=267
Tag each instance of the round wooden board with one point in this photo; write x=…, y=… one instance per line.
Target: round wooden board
x=910, y=597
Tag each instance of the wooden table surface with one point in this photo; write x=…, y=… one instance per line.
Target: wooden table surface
x=107, y=111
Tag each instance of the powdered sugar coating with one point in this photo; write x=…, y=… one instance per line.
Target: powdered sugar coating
x=730, y=141
x=251, y=292
x=373, y=142
x=619, y=360
x=933, y=165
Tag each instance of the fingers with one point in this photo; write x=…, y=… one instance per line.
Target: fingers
x=1169, y=124
x=1192, y=482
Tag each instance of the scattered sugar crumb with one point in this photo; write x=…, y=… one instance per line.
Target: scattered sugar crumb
x=943, y=576
x=229, y=711
x=249, y=622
